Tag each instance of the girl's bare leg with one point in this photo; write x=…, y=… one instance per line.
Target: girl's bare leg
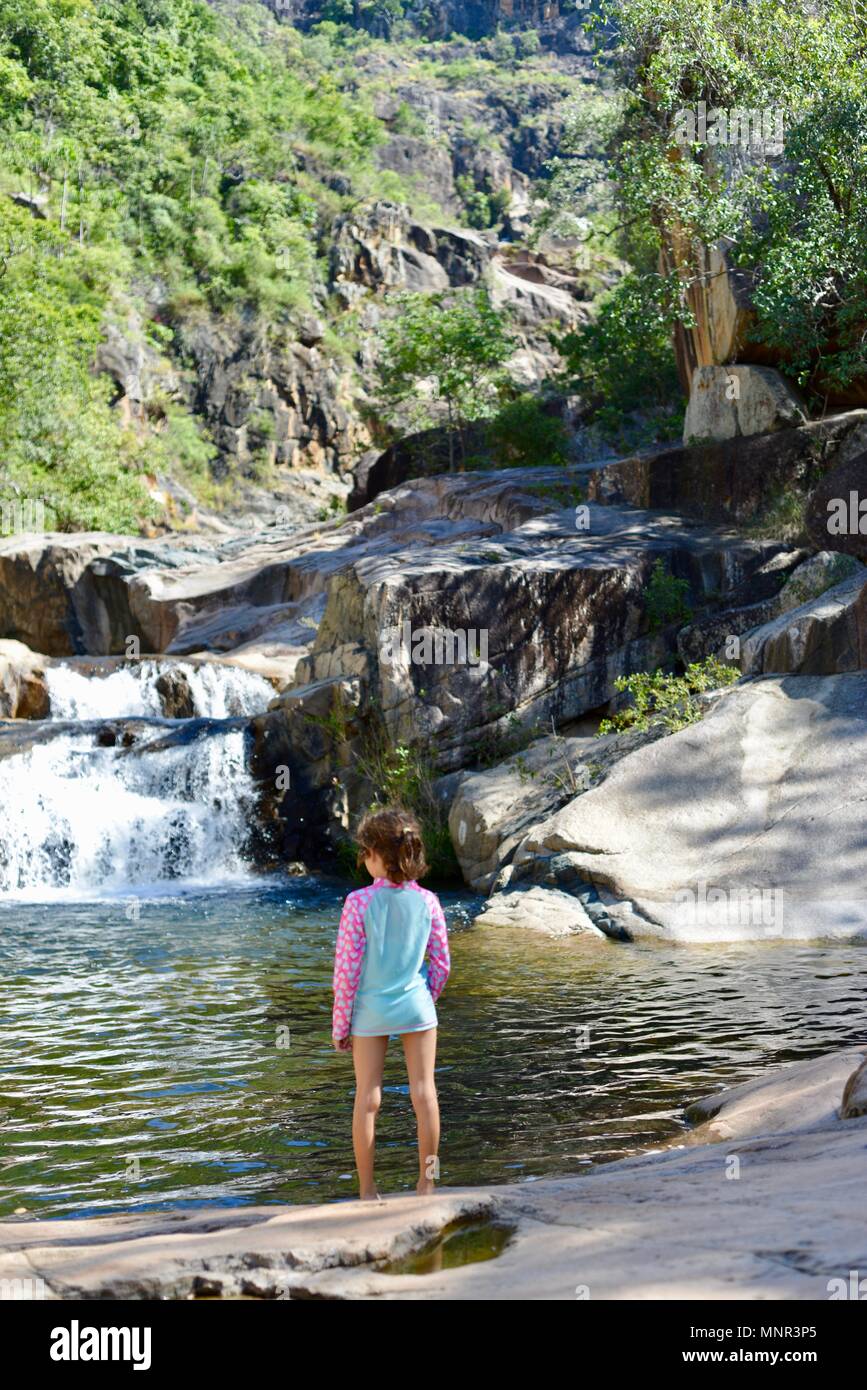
x=368, y=1058
x=420, y=1050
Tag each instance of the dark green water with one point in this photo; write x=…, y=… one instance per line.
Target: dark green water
x=144, y=1060
x=461, y=1243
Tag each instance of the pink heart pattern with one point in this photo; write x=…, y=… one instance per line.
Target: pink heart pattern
x=351, y=941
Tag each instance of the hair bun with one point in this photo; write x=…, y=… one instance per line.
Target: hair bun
x=396, y=836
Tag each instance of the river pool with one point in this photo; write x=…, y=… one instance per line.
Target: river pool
x=174, y=1051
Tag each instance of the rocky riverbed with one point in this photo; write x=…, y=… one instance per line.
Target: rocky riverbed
x=542, y=578
x=761, y=1203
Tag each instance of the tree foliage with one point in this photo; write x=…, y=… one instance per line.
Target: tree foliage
x=157, y=146
x=445, y=353
x=796, y=218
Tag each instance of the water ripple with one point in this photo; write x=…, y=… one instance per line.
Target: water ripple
x=183, y=1057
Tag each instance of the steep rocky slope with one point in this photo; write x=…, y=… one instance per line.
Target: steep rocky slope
x=239, y=227
x=288, y=405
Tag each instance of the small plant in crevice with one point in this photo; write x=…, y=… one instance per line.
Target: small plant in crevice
x=783, y=517
x=336, y=723
x=659, y=697
x=395, y=773
x=565, y=494
x=667, y=599
x=566, y=780
x=334, y=510
x=506, y=735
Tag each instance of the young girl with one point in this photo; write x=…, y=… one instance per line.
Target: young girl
x=382, y=985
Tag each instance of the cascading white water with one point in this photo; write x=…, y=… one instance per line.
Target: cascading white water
x=218, y=692
x=85, y=821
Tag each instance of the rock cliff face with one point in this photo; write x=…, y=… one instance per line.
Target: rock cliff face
x=277, y=398
x=237, y=328
x=279, y=402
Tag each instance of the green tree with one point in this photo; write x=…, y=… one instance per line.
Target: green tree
x=522, y=433
x=456, y=346
x=673, y=188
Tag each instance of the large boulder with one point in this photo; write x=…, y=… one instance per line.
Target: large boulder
x=726, y=402
x=23, y=688
x=758, y=599
x=492, y=809
x=823, y=636
x=417, y=455
x=726, y=830
x=837, y=511
x=814, y=576
x=819, y=641
x=588, y=574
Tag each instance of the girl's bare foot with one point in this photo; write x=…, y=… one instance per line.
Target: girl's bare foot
x=371, y=1196
x=425, y=1187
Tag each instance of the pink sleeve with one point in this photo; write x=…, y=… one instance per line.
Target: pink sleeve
x=348, y=959
x=439, y=960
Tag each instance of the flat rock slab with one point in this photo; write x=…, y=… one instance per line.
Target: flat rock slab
x=746, y=825
x=807, y=1096
x=546, y=910
x=782, y=1222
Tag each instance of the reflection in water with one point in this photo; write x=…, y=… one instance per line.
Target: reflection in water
x=176, y=1051
x=461, y=1243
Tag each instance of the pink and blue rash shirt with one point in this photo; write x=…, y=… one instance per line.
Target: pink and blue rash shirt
x=382, y=984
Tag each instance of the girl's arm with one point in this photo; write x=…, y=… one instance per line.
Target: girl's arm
x=439, y=960
x=348, y=959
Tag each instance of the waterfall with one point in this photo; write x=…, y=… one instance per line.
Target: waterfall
x=215, y=691
x=81, y=820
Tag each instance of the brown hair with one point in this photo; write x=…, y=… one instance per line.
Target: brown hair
x=395, y=836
